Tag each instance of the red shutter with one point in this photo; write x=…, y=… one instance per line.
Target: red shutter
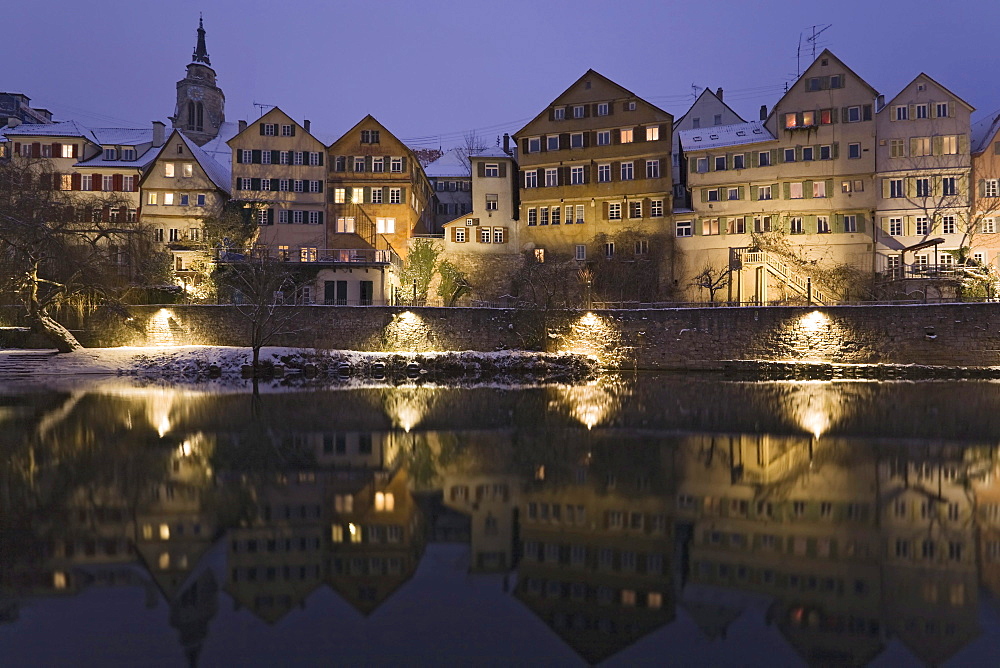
x=96, y=182
x=75, y=179
x=17, y=148
x=116, y=180
x=106, y=214
x=56, y=150
x=76, y=153
x=36, y=149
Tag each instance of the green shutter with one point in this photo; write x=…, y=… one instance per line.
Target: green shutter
x=368, y=195
x=704, y=194
x=255, y=157
x=740, y=192
x=753, y=193
x=774, y=156
x=754, y=159
x=837, y=223
x=829, y=187
x=807, y=189
x=786, y=190
x=809, y=224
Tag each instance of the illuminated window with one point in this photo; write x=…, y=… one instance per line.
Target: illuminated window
x=385, y=225
x=795, y=225
x=628, y=597
x=345, y=225
x=307, y=253
x=919, y=146
x=164, y=561
x=850, y=223
x=808, y=118
x=791, y=121
x=384, y=502
x=653, y=133
x=710, y=227
x=626, y=135
x=66, y=182
x=358, y=195
x=168, y=169
x=819, y=188
x=59, y=580
x=67, y=150
x=949, y=145
x=339, y=195
x=540, y=255
x=795, y=190
x=355, y=532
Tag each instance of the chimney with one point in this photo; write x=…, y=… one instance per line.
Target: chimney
x=242, y=126
x=158, y=134
x=879, y=103
x=306, y=124
x=718, y=93
x=763, y=112
x=506, y=143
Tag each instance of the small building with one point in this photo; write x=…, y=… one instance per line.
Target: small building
x=451, y=179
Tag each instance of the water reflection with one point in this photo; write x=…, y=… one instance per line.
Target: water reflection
x=610, y=512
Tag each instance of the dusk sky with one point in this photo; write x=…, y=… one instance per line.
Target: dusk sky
x=431, y=72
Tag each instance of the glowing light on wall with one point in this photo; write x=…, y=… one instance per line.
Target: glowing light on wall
x=408, y=333
x=597, y=338
x=814, y=322
x=158, y=331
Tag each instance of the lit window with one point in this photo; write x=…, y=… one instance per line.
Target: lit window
x=168, y=198
x=653, y=133
x=791, y=121
x=345, y=225
x=949, y=145
x=339, y=195
x=795, y=190
x=384, y=502
x=626, y=135
x=358, y=195
x=819, y=188
x=808, y=118
x=151, y=198
x=67, y=150
x=385, y=225
x=168, y=169
x=164, y=532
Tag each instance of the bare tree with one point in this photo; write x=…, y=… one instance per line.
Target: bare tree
x=472, y=145
x=427, y=155
x=58, y=246
x=712, y=279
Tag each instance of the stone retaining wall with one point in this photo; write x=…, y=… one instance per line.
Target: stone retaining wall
x=695, y=338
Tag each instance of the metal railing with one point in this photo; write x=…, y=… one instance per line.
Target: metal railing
x=309, y=255
x=782, y=270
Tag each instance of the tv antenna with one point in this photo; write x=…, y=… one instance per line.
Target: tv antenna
x=262, y=108
x=816, y=30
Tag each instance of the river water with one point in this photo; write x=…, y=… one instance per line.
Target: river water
x=635, y=519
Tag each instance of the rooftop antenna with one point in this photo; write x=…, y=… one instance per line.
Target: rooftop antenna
x=262, y=107
x=815, y=34
x=809, y=40
x=694, y=90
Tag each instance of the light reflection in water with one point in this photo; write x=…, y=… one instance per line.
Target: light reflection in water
x=406, y=405
x=593, y=403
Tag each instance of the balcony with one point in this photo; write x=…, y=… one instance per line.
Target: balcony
x=354, y=257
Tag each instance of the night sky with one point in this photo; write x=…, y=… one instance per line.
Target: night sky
x=433, y=71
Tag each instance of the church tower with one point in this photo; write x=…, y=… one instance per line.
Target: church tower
x=200, y=109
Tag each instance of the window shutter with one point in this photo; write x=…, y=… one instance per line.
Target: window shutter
x=753, y=193
x=809, y=224
x=385, y=194
x=798, y=153
x=616, y=136
x=586, y=139
x=95, y=182
x=293, y=129
x=17, y=148
x=951, y=109
x=320, y=214
x=829, y=187
x=981, y=186
x=255, y=157
x=320, y=182
x=368, y=163
x=402, y=195
x=321, y=158
x=963, y=185
x=774, y=156
x=704, y=194
x=786, y=190
x=885, y=189
x=116, y=182
x=481, y=169
x=275, y=157
x=912, y=112
x=75, y=181
x=861, y=222
x=261, y=126
x=692, y=165
x=239, y=156
x=503, y=169
x=56, y=150
x=740, y=193
x=275, y=183
x=638, y=134
x=541, y=177
x=403, y=165
x=270, y=216
x=36, y=149
x=524, y=146
x=910, y=186
x=807, y=189
x=963, y=143
x=909, y=221
x=866, y=115
x=367, y=195
x=835, y=150
x=837, y=223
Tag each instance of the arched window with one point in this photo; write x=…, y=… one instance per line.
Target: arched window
x=190, y=122
x=199, y=116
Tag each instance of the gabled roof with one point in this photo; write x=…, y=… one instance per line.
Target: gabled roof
x=140, y=162
x=62, y=129
x=218, y=146
x=382, y=128
x=122, y=136
x=983, y=132
x=589, y=73
x=724, y=135
x=220, y=175
x=265, y=119
x=933, y=81
x=451, y=164
x=707, y=91
x=825, y=54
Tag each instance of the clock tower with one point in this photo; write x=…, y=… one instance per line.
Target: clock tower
x=200, y=109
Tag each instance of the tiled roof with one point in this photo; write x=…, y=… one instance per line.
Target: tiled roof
x=63, y=129
x=140, y=162
x=122, y=136
x=724, y=135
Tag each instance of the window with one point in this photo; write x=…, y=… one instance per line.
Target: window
x=808, y=118
x=184, y=200
x=168, y=169
x=128, y=154
x=826, y=117
x=201, y=200
x=656, y=208
x=579, y=214
x=551, y=177
x=109, y=153
x=739, y=161
x=923, y=225
x=460, y=235
x=850, y=223
x=635, y=209
x=396, y=165
x=339, y=195
x=298, y=185
x=895, y=187
x=712, y=195
x=283, y=159
x=297, y=217
x=67, y=150
x=684, y=228
x=823, y=224
x=534, y=144
x=359, y=164
x=941, y=109
x=720, y=163
x=603, y=137
x=604, y=173
x=287, y=131
x=378, y=164
x=789, y=155
x=283, y=216
x=791, y=121
x=710, y=227
x=614, y=517
x=896, y=227
x=559, y=113
x=921, y=110
x=614, y=211
x=491, y=202
x=66, y=182
x=795, y=225
x=923, y=187
x=151, y=199
x=825, y=152
x=107, y=183
x=901, y=113
x=737, y=226
x=948, y=225
x=702, y=165
x=358, y=195
x=576, y=175
x=807, y=153
x=581, y=252
x=853, y=151
x=819, y=188
x=385, y=225
x=764, y=158
x=532, y=216
x=627, y=171
x=543, y=215
x=988, y=225
x=556, y=213
x=795, y=190
x=376, y=195
x=853, y=114
x=763, y=192
x=175, y=234
x=498, y=235
x=919, y=146
x=345, y=225
x=949, y=145
x=653, y=133
x=991, y=188
x=578, y=111
x=626, y=135
x=733, y=193
x=576, y=140
x=531, y=179
x=370, y=136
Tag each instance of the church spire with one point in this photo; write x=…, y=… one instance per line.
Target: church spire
x=200, y=52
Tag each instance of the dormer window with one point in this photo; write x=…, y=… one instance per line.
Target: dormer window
x=128, y=154
x=110, y=154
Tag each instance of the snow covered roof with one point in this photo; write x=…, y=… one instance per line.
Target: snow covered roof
x=724, y=135
x=451, y=164
x=122, y=136
x=492, y=152
x=220, y=174
x=983, y=132
x=140, y=162
x=218, y=148
x=62, y=129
